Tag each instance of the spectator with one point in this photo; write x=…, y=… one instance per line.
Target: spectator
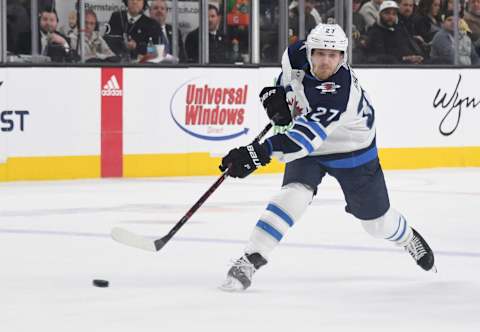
x=428, y=20
x=158, y=11
x=358, y=34
x=443, y=48
x=311, y=10
x=50, y=42
x=218, y=43
x=312, y=18
x=71, y=29
x=95, y=47
x=388, y=43
x=472, y=17
x=405, y=15
x=406, y=10
x=134, y=28
x=359, y=23
x=369, y=11
x=18, y=22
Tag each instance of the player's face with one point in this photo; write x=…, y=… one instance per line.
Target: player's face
x=135, y=7
x=48, y=22
x=158, y=11
x=325, y=62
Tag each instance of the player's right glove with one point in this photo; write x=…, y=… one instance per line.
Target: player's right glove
x=274, y=101
x=242, y=161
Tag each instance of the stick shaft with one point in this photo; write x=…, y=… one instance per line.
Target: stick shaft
x=161, y=242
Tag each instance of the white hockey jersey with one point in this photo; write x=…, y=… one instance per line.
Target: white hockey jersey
x=335, y=122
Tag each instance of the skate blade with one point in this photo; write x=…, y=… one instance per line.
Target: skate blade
x=434, y=269
x=231, y=285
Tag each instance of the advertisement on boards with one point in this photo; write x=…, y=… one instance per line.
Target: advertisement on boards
x=198, y=111
x=60, y=117
x=424, y=108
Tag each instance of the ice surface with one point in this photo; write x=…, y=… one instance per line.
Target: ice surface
x=328, y=274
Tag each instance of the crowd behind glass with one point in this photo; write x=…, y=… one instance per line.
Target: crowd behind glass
x=413, y=32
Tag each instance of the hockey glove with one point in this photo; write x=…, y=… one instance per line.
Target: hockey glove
x=242, y=161
x=274, y=101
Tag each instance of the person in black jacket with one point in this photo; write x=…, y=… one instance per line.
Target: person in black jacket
x=134, y=28
x=388, y=43
x=158, y=12
x=218, y=43
x=50, y=41
x=428, y=19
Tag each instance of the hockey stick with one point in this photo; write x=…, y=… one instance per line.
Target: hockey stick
x=138, y=241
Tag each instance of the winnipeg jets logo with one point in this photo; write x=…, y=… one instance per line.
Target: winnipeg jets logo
x=328, y=87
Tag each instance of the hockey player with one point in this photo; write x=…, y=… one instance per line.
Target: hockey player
x=332, y=131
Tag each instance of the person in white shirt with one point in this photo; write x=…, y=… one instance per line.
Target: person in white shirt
x=95, y=46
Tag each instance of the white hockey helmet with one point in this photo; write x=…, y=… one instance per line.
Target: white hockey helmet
x=327, y=37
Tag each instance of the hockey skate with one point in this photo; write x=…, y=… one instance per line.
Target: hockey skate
x=239, y=277
x=418, y=248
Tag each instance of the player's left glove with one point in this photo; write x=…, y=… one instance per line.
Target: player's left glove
x=274, y=101
x=242, y=161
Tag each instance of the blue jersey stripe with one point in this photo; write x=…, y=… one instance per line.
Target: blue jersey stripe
x=279, y=212
x=301, y=140
x=315, y=126
x=352, y=162
x=270, y=230
x=404, y=229
x=396, y=231
x=304, y=129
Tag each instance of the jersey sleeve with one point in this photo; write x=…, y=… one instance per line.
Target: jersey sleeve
x=310, y=130
x=301, y=140
x=293, y=59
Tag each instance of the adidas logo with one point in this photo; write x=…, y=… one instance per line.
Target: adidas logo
x=112, y=88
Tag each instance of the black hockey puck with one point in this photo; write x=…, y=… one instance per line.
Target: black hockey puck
x=100, y=283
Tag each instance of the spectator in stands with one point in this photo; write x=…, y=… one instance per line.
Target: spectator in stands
x=472, y=17
x=158, y=11
x=428, y=20
x=71, y=29
x=443, y=48
x=134, y=28
x=311, y=11
x=312, y=18
x=369, y=11
x=358, y=34
x=18, y=22
x=95, y=47
x=388, y=43
x=406, y=10
x=218, y=43
x=405, y=15
x=50, y=42
x=359, y=23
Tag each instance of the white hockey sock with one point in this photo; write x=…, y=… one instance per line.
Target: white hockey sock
x=391, y=226
x=281, y=213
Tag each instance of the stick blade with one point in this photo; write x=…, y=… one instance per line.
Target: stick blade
x=133, y=240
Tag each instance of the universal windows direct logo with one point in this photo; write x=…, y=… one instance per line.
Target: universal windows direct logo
x=112, y=88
